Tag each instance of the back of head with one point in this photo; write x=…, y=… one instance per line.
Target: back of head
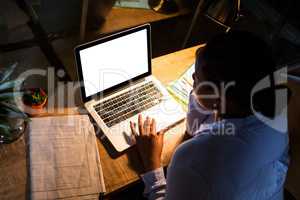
x=244, y=59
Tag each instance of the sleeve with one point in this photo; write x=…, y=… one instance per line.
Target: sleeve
x=155, y=184
x=185, y=177
x=182, y=183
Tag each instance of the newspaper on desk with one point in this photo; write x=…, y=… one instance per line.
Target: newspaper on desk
x=181, y=88
x=64, y=159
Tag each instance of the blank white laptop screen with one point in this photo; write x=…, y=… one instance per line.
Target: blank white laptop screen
x=113, y=62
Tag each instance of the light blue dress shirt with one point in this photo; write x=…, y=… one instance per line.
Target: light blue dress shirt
x=233, y=159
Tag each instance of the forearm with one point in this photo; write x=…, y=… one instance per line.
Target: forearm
x=155, y=181
x=155, y=184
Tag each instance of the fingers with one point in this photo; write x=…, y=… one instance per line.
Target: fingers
x=140, y=124
x=132, y=126
x=147, y=125
x=153, y=127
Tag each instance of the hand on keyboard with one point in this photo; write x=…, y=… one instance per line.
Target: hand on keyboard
x=149, y=142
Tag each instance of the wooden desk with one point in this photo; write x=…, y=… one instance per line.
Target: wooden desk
x=118, y=172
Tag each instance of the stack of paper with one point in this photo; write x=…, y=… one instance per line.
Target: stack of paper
x=180, y=89
x=64, y=159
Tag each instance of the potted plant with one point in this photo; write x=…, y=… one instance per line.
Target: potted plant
x=12, y=119
x=36, y=98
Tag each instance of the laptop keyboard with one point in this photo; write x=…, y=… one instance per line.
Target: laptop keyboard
x=128, y=104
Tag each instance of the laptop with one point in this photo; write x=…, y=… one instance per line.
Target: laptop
x=117, y=85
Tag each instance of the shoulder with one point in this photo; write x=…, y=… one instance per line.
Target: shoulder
x=264, y=140
x=259, y=143
x=204, y=150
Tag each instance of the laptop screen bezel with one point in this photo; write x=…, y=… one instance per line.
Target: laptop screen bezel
x=103, y=40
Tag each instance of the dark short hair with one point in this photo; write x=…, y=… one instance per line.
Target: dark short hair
x=244, y=58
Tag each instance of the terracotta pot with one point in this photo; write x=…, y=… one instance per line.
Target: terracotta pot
x=40, y=106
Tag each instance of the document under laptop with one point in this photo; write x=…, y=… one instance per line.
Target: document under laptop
x=118, y=85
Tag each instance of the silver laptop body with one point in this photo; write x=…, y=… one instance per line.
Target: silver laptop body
x=118, y=85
